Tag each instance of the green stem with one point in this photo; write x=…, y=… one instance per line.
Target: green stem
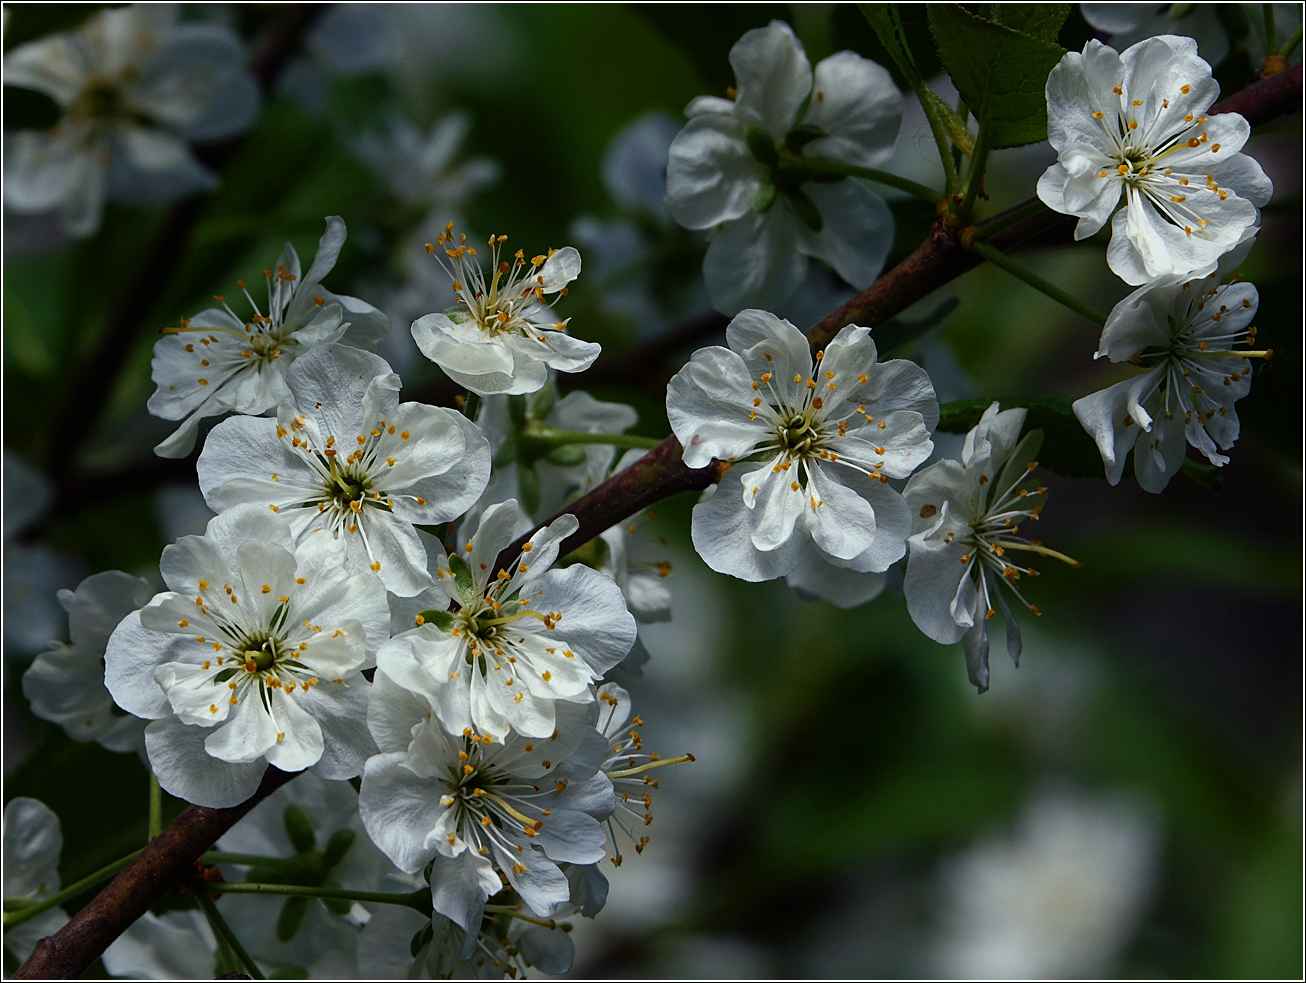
x=975, y=174
x=1006, y=221
x=560, y=438
x=156, y=806
x=223, y=931
x=1021, y=272
x=248, y=859
x=1290, y=45
x=1271, y=34
x=419, y=900
x=12, y=918
x=828, y=165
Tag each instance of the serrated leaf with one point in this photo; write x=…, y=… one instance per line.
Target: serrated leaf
x=1038, y=20
x=1000, y=72
x=885, y=23
x=1067, y=450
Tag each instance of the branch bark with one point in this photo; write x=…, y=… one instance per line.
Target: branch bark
x=660, y=473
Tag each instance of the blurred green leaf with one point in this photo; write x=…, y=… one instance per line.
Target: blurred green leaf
x=1067, y=449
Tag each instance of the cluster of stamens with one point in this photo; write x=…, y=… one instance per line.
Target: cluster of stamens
x=514, y=292
x=1139, y=157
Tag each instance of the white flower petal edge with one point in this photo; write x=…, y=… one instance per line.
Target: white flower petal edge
x=65, y=684
x=1133, y=126
x=1184, y=332
x=252, y=657
x=822, y=437
x=215, y=362
x=32, y=844
x=966, y=515
x=346, y=458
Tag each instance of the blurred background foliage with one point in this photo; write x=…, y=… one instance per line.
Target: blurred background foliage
x=855, y=809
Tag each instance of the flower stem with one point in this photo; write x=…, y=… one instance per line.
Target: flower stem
x=560, y=438
x=829, y=165
x=223, y=931
x=470, y=405
x=1000, y=222
x=12, y=918
x=975, y=173
x=156, y=806
x=1021, y=272
x=1271, y=34
x=1290, y=45
x=419, y=900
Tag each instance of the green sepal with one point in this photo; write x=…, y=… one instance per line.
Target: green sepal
x=805, y=209
x=433, y=616
x=226, y=674
x=507, y=452
x=342, y=839
x=761, y=145
x=528, y=483
x=542, y=402
x=1206, y=475
x=462, y=575
x=421, y=939
x=803, y=134
x=567, y=455
x=765, y=197
x=291, y=918
x=299, y=828
x=517, y=411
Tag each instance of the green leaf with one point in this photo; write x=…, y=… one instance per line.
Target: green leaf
x=999, y=71
x=1038, y=20
x=433, y=616
x=568, y=455
x=887, y=26
x=1067, y=449
x=1206, y=475
x=462, y=575
x=291, y=917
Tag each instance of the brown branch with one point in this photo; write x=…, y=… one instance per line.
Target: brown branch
x=660, y=473
x=93, y=384
x=170, y=857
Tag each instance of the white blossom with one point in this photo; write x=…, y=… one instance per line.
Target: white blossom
x=1184, y=332
x=252, y=657
x=478, y=808
x=135, y=86
x=345, y=456
x=816, y=440
x=214, y=362
x=501, y=335
x=737, y=169
x=523, y=637
x=419, y=168
x=177, y=945
x=967, y=516
x=32, y=844
x=1129, y=23
x=1133, y=126
x=65, y=684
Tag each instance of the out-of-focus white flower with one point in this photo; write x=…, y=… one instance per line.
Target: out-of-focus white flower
x=1129, y=23
x=177, y=945
x=737, y=169
x=253, y=657
x=820, y=440
x=1184, y=331
x=479, y=809
x=344, y=456
x=135, y=85
x=33, y=574
x=65, y=684
x=214, y=362
x=1058, y=898
x=967, y=515
x=502, y=337
x=420, y=168
x=32, y=844
x=1132, y=126
x=525, y=639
